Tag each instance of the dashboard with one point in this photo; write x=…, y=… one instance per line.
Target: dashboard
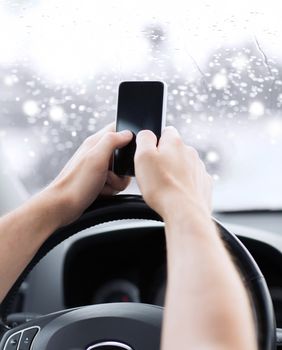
x=126, y=261
x=128, y=266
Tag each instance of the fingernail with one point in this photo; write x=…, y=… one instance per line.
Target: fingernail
x=140, y=134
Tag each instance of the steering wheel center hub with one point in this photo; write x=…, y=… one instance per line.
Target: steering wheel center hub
x=110, y=345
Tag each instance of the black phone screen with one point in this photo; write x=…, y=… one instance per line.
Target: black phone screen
x=140, y=106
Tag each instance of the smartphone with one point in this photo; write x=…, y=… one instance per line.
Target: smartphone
x=141, y=105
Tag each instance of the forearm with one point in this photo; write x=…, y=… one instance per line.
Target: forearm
x=206, y=304
x=22, y=232
x=83, y=178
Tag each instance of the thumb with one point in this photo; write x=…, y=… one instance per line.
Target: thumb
x=112, y=140
x=146, y=142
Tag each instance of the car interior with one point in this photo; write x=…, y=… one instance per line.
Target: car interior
x=60, y=68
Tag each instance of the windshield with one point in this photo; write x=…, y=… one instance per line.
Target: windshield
x=61, y=63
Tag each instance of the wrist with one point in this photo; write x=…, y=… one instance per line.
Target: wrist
x=188, y=218
x=191, y=218
x=49, y=205
x=187, y=227
x=181, y=206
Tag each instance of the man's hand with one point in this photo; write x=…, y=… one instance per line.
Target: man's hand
x=83, y=178
x=171, y=172
x=205, y=296
x=87, y=174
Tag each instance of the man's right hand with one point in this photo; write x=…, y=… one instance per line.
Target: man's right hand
x=171, y=172
x=205, y=295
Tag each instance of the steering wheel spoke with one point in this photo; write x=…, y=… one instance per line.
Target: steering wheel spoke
x=130, y=325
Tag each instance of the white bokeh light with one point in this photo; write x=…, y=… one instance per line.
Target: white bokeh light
x=20, y=153
x=256, y=109
x=212, y=157
x=240, y=62
x=10, y=80
x=31, y=108
x=220, y=81
x=57, y=113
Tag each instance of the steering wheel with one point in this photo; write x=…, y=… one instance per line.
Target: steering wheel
x=129, y=326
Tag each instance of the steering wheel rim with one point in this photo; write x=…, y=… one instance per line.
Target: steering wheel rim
x=133, y=207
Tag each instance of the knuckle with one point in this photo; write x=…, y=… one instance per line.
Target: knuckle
x=121, y=185
x=173, y=140
x=111, y=136
x=89, y=140
x=203, y=165
x=192, y=152
x=177, y=141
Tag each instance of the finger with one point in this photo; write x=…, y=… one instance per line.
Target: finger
x=85, y=146
x=111, y=162
x=170, y=137
x=107, y=128
x=169, y=131
x=203, y=166
x=92, y=140
x=146, y=142
x=209, y=190
x=118, y=183
x=112, y=140
x=108, y=191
